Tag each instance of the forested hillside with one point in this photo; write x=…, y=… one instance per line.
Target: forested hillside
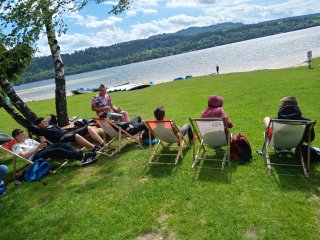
x=164, y=45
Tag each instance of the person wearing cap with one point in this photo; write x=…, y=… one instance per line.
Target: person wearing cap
x=215, y=109
x=101, y=103
x=56, y=134
x=33, y=150
x=289, y=110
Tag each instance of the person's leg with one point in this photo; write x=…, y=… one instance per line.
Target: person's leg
x=59, y=151
x=125, y=116
x=3, y=171
x=117, y=116
x=95, y=136
x=83, y=142
x=187, y=129
x=266, y=121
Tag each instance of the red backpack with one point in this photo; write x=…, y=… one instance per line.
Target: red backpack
x=240, y=149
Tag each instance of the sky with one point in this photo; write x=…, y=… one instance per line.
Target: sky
x=94, y=27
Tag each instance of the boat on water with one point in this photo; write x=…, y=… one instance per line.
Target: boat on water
x=84, y=90
x=130, y=87
x=181, y=78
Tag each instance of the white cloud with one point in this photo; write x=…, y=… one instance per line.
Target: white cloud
x=149, y=11
x=131, y=13
x=108, y=31
x=93, y=22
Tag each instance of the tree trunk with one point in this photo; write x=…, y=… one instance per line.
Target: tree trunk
x=16, y=116
x=61, y=99
x=17, y=102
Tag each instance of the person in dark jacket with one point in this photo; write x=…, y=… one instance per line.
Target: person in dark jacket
x=289, y=110
x=56, y=134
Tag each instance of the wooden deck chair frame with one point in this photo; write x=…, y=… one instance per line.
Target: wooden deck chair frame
x=270, y=142
x=180, y=141
x=204, y=145
x=28, y=163
x=116, y=133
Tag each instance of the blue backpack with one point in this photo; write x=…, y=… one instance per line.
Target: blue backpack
x=39, y=168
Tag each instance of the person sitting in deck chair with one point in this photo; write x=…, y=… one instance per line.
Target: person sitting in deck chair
x=56, y=134
x=159, y=114
x=33, y=150
x=215, y=110
x=102, y=105
x=289, y=110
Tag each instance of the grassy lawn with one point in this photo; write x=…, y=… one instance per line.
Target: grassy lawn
x=124, y=198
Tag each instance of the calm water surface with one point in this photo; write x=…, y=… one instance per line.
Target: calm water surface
x=277, y=51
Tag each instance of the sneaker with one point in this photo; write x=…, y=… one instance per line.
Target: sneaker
x=96, y=148
x=3, y=185
x=88, y=160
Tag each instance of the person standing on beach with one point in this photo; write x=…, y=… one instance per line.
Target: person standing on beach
x=217, y=69
x=102, y=105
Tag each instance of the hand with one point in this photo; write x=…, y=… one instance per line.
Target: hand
x=119, y=110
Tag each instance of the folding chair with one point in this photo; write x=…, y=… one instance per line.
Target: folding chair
x=169, y=136
x=116, y=133
x=7, y=147
x=287, y=134
x=212, y=133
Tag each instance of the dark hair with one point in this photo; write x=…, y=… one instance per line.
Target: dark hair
x=102, y=86
x=39, y=120
x=291, y=100
x=16, y=132
x=159, y=113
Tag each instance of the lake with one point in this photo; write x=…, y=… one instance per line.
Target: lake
x=272, y=52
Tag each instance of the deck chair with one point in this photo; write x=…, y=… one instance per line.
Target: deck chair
x=169, y=136
x=115, y=133
x=212, y=133
x=7, y=147
x=287, y=134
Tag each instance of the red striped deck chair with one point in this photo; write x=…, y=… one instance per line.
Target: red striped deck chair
x=213, y=134
x=169, y=136
x=119, y=137
x=286, y=135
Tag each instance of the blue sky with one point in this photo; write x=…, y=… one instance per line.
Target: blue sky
x=94, y=27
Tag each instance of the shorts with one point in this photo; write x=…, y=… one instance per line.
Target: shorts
x=71, y=136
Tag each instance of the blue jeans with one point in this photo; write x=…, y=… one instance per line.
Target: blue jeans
x=3, y=171
x=187, y=129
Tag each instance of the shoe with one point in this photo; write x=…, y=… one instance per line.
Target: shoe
x=3, y=185
x=96, y=148
x=88, y=160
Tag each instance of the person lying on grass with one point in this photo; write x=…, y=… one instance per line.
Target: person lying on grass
x=56, y=134
x=215, y=110
x=159, y=114
x=101, y=103
x=33, y=150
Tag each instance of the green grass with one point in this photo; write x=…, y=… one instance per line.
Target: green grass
x=124, y=198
